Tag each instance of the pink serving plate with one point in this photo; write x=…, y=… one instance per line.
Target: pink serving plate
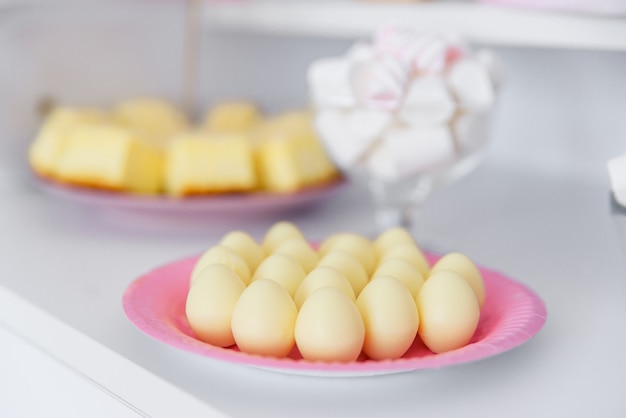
x=511, y=314
x=230, y=204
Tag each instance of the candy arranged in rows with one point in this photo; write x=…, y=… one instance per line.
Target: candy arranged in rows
x=148, y=146
x=349, y=296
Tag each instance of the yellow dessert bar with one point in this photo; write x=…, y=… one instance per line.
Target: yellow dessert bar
x=156, y=120
x=112, y=158
x=210, y=163
x=45, y=151
x=289, y=156
x=236, y=116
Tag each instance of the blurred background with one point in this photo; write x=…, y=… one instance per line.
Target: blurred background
x=564, y=93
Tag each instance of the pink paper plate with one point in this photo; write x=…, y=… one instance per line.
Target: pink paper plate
x=511, y=314
x=233, y=204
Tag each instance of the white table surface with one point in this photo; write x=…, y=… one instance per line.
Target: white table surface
x=65, y=269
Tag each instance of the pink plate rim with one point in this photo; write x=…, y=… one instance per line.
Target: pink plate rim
x=522, y=315
x=215, y=203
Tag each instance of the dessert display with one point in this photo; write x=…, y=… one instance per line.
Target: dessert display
x=147, y=146
x=340, y=321
x=350, y=298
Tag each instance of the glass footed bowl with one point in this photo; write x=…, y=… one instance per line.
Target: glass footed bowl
x=401, y=180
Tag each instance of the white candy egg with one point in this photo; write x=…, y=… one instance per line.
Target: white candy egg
x=349, y=266
x=462, y=265
x=210, y=304
x=279, y=233
x=390, y=317
x=319, y=277
x=282, y=269
x=402, y=270
x=410, y=253
x=245, y=246
x=392, y=237
x=263, y=320
x=356, y=245
x=448, y=312
x=301, y=251
x=222, y=255
x=329, y=327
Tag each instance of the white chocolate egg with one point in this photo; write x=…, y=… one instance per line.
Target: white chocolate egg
x=459, y=263
x=392, y=237
x=210, y=304
x=410, y=253
x=282, y=269
x=279, y=233
x=357, y=245
x=263, y=320
x=222, y=255
x=349, y=266
x=245, y=246
x=324, y=247
x=300, y=251
x=402, y=270
x=319, y=277
x=448, y=312
x=390, y=317
x=329, y=327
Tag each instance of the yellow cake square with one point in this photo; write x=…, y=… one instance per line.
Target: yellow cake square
x=156, y=120
x=210, y=163
x=236, y=116
x=45, y=151
x=110, y=157
x=289, y=156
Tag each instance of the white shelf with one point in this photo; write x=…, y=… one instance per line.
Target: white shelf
x=479, y=23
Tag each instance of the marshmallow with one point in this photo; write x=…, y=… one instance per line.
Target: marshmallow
x=380, y=83
x=430, y=55
x=348, y=134
x=392, y=42
x=470, y=83
x=408, y=151
x=470, y=131
x=426, y=54
x=493, y=65
x=427, y=102
x=330, y=82
x=617, y=173
x=380, y=163
x=368, y=124
x=360, y=52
